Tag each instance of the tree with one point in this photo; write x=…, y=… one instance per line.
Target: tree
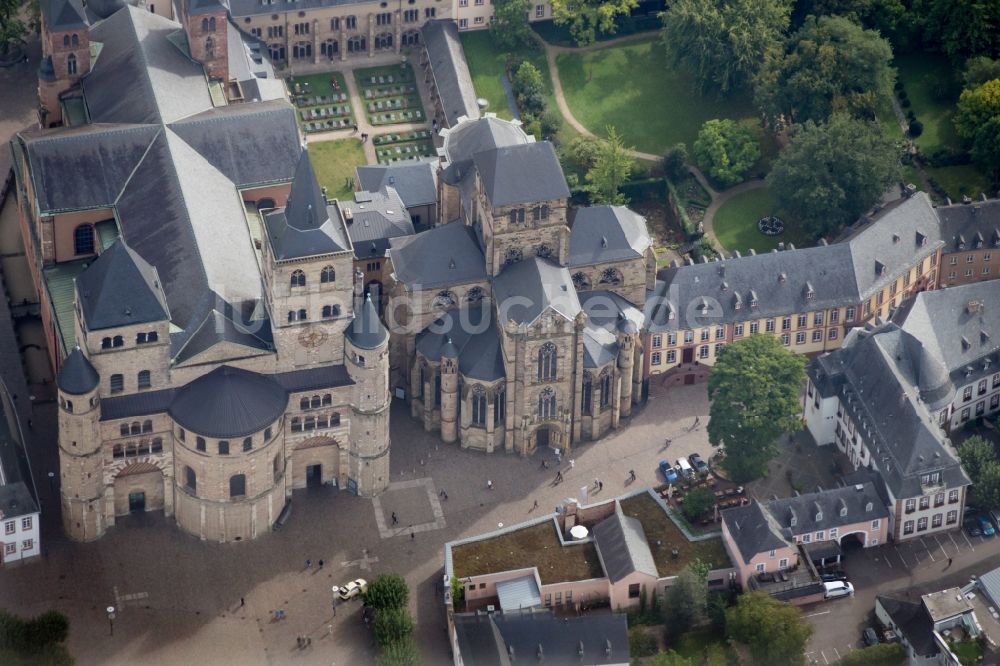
x=675, y=161
x=722, y=42
x=830, y=64
x=686, y=601
x=392, y=625
x=587, y=18
x=612, y=167
x=509, y=29
x=976, y=454
x=387, y=591
x=697, y=503
x=987, y=489
x=529, y=89
x=726, y=150
x=979, y=70
x=774, y=630
x=400, y=653
x=754, y=389
x=12, y=29
x=975, y=107
x=965, y=27
x=880, y=15
x=885, y=654
x=669, y=658
x=832, y=172
x=986, y=148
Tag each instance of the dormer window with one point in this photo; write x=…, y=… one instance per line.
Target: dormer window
x=868, y=507
x=879, y=269
x=921, y=239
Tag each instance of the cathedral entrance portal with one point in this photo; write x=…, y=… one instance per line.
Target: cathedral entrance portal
x=314, y=476
x=137, y=502
x=542, y=437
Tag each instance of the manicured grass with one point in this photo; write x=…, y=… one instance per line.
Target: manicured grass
x=964, y=179
x=631, y=86
x=664, y=536
x=334, y=162
x=887, y=118
x=318, y=84
x=929, y=82
x=536, y=546
x=486, y=65
x=736, y=223
x=968, y=652
x=558, y=35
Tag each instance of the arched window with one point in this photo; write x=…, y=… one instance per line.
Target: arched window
x=315, y=402
x=327, y=274
x=444, y=299
x=238, y=485
x=69, y=406
x=123, y=430
x=543, y=251
x=199, y=443
x=211, y=24
x=611, y=276
x=291, y=316
x=304, y=403
x=296, y=424
x=357, y=43
x=302, y=314
x=223, y=447
x=106, y=343
x=190, y=480
x=117, y=383
x=117, y=451
x=209, y=48
x=327, y=399
x=131, y=450
x=547, y=362
x=204, y=25
x=474, y=295
x=144, y=379
x=147, y=425
x=547, y=404
x=478, y=400
x=605, y=388
x=411, y=38
x=76, y=40
x=65, y=40
x=136, y=428
x=247, y=443
x=383, y=40
x=157, y=445
x=118, y=341
x=83, y=235
x=71, y=68
x=512, y=256
x=298, y=278
x=499, y=405
x=586, y=400
x=331, y=311
x=581, y=281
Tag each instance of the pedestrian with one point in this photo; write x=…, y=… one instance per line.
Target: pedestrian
x=309, y=564
x=489, y=484
x=697, y=420
x=949, y=563
x=354, y=128
x=30, y=424
x=572, y=462
x=597, y=483
x=600, y=485
x=242, y=602
x=412, y=536
x=321, y=564
x=535, y=505
x=394, y=519
x=446, y=497
x=559, y=476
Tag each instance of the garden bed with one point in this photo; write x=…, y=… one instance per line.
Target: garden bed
x=390, y=94
x=395, y=152
x=322, y=102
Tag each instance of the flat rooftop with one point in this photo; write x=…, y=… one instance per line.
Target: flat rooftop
x=946, y=604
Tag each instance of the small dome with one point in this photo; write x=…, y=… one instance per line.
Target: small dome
x=627, y=326
x=936, y=387
x=77, y=376
x=367, y=331
x=449, y=350
x=105, y=8
x=229, y=402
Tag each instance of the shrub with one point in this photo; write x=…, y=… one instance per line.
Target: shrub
x=698, y=501
x=916, y=128
x=400, y=653
x=675, y=161
x=387, y=591
x=905, y=103
x=898, y=85
x=641, y=643
x=392, y=625
x=901, y=94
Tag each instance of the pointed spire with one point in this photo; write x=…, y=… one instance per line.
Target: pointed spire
x=449, y=350
x=367, y=331
x=77, y=376
x=306, y=208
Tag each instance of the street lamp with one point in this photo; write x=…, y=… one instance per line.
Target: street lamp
x=111, y=619
x=52, y=482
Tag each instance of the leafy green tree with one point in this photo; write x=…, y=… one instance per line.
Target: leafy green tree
x=392, y=625
x=722, y=42
x=986, y=148
x=509, y=29
x=399, y=653
x=754, y=388
x=641, y=643
x=965, y=27
x=587, y=18
x=987, y=489
x=12, y=29
x=670, y=658
x=697, y=503
x=675, y=161
x=726, y=150
x=775, y=631
x=975, y=107
x=832, y=172
x=387, y=591
x=529, y=88
x=979, y=70
x=881, y=15
x=686, y=601
x=612, y=168
x=885, y=654
x=830, y=64
x=976, y=454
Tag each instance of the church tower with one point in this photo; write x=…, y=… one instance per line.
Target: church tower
x=366, y=348
x=206, y=27
x=65, y=56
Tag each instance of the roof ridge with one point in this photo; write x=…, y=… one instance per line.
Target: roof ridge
x=145, y=153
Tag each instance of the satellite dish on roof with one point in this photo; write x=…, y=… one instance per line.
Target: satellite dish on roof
x=579, y=532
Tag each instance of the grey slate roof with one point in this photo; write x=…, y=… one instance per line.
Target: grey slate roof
x=77, y=376
x=753, y=530
x=622, y=546
x=463, y=141
x=415, y=181
x=204, y=6
x=140, y=76
x=829, y=503
x=63, y=14
x=367, y=330
x=375, y=218
x=538, y=285
x=970, y=226
x=104, y=154
x=477, y=343
x=120, y=289
x=221, y=323
x=989, y=583
x=229, y=402
x=913, y=622
x=602, y=234
x=307, y=226
x=513, y=638
x=449, y=69
x=445, y=255
x=523, y=173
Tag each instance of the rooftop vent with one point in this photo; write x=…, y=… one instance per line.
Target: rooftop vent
x=973, y=307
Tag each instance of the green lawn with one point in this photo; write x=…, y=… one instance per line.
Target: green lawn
x=929, y=82
x=632, y=87
x=736, y=223
x=334, y=162
x=960, y=180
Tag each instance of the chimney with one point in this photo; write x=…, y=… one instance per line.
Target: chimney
x=348, y=215
x=822, y=241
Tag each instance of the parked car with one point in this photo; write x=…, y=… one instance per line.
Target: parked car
x=985, y=525
x=352, y=589
x=870, y=636
x=837, y=589
x=995, y=517
x=832, y=576
x=684, y=467
x=972, y=527
x=699, y=465
x=668, y=472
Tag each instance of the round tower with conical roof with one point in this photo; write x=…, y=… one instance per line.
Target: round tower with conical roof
x=627, y=333
x=449, y=392
x=366, y=352
x=80, y=458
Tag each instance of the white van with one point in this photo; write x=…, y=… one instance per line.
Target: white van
x=684, y=467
